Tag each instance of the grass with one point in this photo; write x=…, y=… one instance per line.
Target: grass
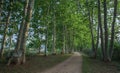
x=34, y=64
x=97, y=66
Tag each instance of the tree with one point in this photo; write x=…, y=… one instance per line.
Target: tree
x=26, y=28
x=19, y=39
x=101, y=30
x=54, y=28
x=113, y=30
x=90, y=14
x=106, y=31
x=5, y=29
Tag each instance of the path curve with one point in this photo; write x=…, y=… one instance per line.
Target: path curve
x=71, y=65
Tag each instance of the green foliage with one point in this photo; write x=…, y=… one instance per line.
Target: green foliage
x=72, y=14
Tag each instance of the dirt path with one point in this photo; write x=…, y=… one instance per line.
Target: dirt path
x=71, y=65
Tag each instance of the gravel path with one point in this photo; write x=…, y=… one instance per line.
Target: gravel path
x=71, y=65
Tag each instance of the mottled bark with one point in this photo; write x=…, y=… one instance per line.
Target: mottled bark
x=17, y=47
x=26, y=29
x=20, y=34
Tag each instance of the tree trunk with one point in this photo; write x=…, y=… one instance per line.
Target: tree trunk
x=91, y=30
x=101, y=30
x=46, y=43
x=54, y=35
x=47, y=26
x=97, y=41
x=73, y=40
x=113, y=31
x=106, y=31
x=93, y=43
x=20, y=34
x=26, y=29
x=5, y=34
x=70, y=40
x=63, y=48
x=17, y=47
x=66, y=41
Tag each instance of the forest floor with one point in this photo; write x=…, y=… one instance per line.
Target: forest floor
x=71, y=65
x=34, y=64
x=97, y=66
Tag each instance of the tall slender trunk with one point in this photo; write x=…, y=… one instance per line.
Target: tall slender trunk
x=54, y=34
x=97, y=41
x=113, y=30
x=20, y=34
x=25, y=30
x=5, y=34
x=70, y=41
x=106, y=31
x=93, y=42
x=46, y=43
x=17, y=47
x=63, y=48
x=66, y=36
x=91, y=30
x=73, y=40
x=47, y=26
x=101, y=30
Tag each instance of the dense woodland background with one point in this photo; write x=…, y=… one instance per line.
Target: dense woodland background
x=59, y=26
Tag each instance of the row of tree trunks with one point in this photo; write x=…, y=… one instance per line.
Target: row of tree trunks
x=23, y=32
x=20, y=33
x=104, y=38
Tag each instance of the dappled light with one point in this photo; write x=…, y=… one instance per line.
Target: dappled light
x=59, y=36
